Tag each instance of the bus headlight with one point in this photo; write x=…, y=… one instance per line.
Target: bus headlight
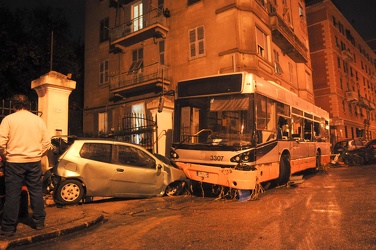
x=243, y=157
x=173, y=155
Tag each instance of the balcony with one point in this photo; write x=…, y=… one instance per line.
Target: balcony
x=152, y=24
x=150, y=79
x=347, y=56
x=284, y=37
x=363, y=102
x=352, y=96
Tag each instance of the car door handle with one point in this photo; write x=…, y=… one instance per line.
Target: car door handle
x=120, y=170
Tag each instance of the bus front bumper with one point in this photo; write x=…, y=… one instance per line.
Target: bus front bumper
x=228, y=177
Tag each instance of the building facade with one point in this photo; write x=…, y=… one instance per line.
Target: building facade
x=137, y=51
x=344, y=75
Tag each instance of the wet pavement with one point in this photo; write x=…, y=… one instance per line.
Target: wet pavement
x=59, y=221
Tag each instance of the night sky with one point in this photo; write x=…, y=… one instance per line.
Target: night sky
x=360, y=13
x=74, y=11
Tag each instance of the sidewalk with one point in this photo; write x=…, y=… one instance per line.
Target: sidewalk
x=59, y=222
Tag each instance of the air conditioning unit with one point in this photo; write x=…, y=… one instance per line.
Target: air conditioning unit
x=352, y=96
x=347, y=56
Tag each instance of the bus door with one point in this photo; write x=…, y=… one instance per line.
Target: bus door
x=309, y=137
x=189, y=123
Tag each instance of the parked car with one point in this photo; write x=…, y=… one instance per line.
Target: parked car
x=106, y=168
x=362, y=155
x=348, y=144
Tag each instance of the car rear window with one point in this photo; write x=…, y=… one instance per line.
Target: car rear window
x=96, y=151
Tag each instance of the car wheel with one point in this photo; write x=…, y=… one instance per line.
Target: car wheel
x=70, y=192
x=358, y=160
x=174, y=188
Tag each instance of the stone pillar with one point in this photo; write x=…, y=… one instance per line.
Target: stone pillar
x=164, y=124
x=53, y=91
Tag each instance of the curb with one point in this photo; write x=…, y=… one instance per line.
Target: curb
x=51, y=233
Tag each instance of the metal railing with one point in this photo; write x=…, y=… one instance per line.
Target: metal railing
x=277, y=23
x=149, y=73
x=138, y=129
x=6, y=108
x=141, y=22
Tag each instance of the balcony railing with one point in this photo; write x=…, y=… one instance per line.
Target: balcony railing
x=365, y=103
x=151, y=24
x=150, y=74
x=285, y=38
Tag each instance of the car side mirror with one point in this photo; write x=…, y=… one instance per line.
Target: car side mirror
x=159, y=166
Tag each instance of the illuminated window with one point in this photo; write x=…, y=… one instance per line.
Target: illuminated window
x=137, y=18
x=102, y=123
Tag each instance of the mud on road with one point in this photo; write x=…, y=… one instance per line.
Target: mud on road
x=333, y=210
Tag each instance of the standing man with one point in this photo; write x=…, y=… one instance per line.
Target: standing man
x=23, y=140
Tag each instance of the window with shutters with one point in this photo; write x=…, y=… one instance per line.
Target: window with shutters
x=196, y=42
x=277, y=67
x=261, y=40
x=137, y=61
x=103, y=72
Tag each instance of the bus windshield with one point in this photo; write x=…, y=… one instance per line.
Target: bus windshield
x=219, y=120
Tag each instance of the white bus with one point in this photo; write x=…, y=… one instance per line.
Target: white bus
x=239, y=131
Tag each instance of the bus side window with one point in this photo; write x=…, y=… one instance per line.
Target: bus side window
x=307, y=130
x=295, y=136
x=316, y=129
x=296, y=127
x=282, y=128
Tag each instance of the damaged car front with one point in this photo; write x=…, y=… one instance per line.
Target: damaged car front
x=362, y=155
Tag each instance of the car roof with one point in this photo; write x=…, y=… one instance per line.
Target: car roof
x=102, y=140
x=112, y=141
x=371, y=142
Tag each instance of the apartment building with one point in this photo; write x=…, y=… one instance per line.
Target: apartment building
x=344, y=75
x=137, y=51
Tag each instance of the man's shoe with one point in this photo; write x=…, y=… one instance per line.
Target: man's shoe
x=7, y=233
x=39, y=227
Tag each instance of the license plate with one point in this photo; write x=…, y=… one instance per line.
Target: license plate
x=203, y=174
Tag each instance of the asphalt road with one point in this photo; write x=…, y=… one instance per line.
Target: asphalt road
x=334, y=210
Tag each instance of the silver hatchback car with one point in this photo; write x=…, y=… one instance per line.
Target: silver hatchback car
x=105, y=168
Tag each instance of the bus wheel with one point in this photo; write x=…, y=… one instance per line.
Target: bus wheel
x=284, y=170
x=318, y=160
x=318, y=164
